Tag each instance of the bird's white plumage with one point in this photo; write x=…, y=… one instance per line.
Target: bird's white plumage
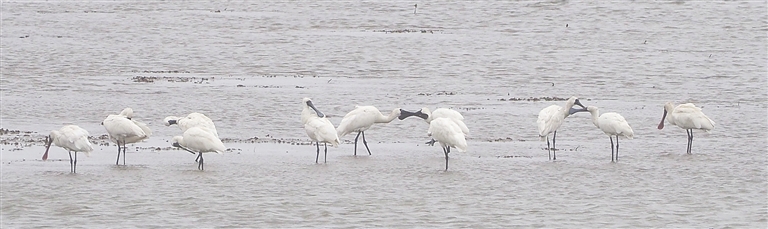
x=446, y=113
x=121, y=128
x=612, y=124
x=72, y=138
x=319, y=129
x=362, y=118
x=192, y=120
x=688, y=116
x=448, y=133
x=551, y=118
x=200, y=140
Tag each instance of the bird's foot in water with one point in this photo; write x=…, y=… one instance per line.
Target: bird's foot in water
x=431, y=142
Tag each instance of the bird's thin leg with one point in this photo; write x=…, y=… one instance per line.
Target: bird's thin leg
x=318, y=152
x=548, y=149
x=118, y=153
x=690, y=144
x=431, y=142
x=617, y=148
x=74, y=168
x=198, y=157
x=446, y=150
x=200, y=163
x=365, y=143
x=70, y=162
x=688, y=149
x=325, y=158
x=356, y=137
x=554, y=148
x=610, y=137
x=124, y=148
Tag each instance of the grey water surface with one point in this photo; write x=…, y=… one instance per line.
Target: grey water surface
x=247, y=65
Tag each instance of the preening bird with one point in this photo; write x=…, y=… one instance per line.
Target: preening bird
x=362, y=118
x=122, y=130
x=198, y=140
x=449, y=135
x=318, y=127
x=686, y=116
x=551, y=118
x=191, y=120
x=73, y=139
x=428, y=116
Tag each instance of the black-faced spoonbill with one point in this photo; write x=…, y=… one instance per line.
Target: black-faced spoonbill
x=318, y=128
x=362, y=118
x=612, y=124
x=448, y=134
x=428, y=116
x=198, y=140
x=688, y=117
x=73, y=139
x=122, y=129
x=551, y=118
x=192, y=120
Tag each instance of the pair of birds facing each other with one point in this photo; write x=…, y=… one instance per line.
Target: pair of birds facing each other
x=449, y=132
x=686, y=116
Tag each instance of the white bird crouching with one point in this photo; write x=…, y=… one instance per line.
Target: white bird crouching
x=73, y=139
x=449, y=135
x=198, y=140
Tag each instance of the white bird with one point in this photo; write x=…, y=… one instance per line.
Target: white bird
x=362, y=118
x=198, y=140
x=73, y=139
x=318, y=128
x=428, y=116
x=191, y=120
x=449, y=134
x=122, y=129
x=612, y=124
x=551, y=118
x=688, y=117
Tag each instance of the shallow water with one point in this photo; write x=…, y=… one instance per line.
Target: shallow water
x=73, y=63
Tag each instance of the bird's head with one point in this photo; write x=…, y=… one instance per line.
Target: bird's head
x=308, y=103
x=176, y=141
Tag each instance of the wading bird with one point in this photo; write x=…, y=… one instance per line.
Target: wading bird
x=686, y=116
x=612, y=124
x=362, y=118
x=318, y=128
x=428, y=116
x=198, y=140
x=551, y=118
x=448, y=134
x=191, y=120
x=73, y=139
x=122, y=130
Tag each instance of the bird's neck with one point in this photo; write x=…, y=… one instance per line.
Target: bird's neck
x=386, y=119
x=595, y=116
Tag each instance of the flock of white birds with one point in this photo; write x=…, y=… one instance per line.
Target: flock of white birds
x=446, y=126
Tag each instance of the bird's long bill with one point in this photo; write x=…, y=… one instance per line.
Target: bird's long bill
x=171, y=122
x=176, y=144
x=319, y=114
x=575, y=110
x=661, y=124
x=579, y=103
x=47, y=147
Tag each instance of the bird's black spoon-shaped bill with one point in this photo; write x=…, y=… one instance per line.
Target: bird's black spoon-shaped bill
x=576, y=110
x=405, y=114
x=319, y=114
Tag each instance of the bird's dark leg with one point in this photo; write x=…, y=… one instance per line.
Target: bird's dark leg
x=118, y=153
x=431, y=142
x=74, y=168
x=446, y=150
x=688, y=146
x=365, y=143
x=548, y=149
x=198, y=157
x=611, y=137
x=554, y=148
x=356, y=137
x=70, y=163
x=124, y=148
x=318, y=152
x=690, y=143
x=200, y=165
x=325, y=158
x=617, y=148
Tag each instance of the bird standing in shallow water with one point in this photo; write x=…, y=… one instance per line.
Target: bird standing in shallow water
x=551, y=118
x=362, y=118
x=73, y=139
x=612, y=124
x=449, y=135
x=122, y=130
x=198, y=140
x=686, y=116
x=318, y=128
